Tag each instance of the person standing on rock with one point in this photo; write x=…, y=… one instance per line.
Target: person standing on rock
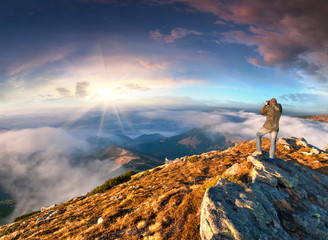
x=273, y=111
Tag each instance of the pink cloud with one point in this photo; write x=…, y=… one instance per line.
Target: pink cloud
x=152, y=65
x=287, y=34
x=175, y=34
x=219, y=22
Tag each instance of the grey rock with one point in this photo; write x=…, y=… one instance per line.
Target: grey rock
x=100, y=220
x=228, y=212
x=49, y=214
x=271, y=174
x=325, y=149
x=314, y=150
x=301, y=142
x=281, y=196
x=233, y=169
x=283, y=142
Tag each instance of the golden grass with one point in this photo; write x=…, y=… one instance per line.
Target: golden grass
x=158, y=204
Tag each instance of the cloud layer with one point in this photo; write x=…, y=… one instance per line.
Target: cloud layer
x=176, y=33
x=288, y=34
x=245, y=124
x=43, y=166
x=37, y=169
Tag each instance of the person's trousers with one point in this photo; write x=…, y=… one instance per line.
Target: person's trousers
x=273, y=138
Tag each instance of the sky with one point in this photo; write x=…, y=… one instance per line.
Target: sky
x=159, y=53
x=147, y=66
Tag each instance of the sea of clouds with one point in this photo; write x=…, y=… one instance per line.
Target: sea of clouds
x=37, y=167
x=38, y=164
x=245, y=124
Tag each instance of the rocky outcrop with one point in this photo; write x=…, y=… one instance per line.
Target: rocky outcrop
x=280, y=200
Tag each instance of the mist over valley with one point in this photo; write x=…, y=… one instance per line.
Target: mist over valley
x=43, y=165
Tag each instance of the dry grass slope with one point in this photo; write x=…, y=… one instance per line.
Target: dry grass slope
x=163, y=203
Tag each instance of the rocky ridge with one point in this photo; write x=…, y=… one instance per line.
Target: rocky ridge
x=280, y=200
x=165, y=202
x=319, y=118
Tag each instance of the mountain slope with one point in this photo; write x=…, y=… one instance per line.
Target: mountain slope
x=147, y=138
x=162, y=203
x=195, y=141
x=7, y=205
x=127, y=159
x=317, y=118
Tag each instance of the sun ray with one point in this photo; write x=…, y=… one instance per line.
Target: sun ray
x=102, y=58
x=77, y=115
x=118, y=118
x=102, y=120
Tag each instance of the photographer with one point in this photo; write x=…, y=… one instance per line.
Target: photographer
x=273, y=111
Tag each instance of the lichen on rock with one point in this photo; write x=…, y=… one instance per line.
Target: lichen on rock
x=281, y=201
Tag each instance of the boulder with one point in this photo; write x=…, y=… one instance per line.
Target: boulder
x=229, y=212
x=301, y=142
x=325, y=149
x=283, y=200
x=284, y=143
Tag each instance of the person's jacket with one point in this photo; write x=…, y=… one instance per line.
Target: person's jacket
x=273, y=113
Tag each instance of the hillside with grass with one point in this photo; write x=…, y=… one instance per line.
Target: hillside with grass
x=161, y=203
x=317, y=118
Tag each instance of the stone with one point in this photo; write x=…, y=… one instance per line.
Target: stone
x=228, y=212
x=233, y=169
x=314, y=151
x=301, y=142
x=311, y=225
x=49, y=214
x=325, y=149
x=307, y=153
x=269, y=173
x=284, y=143
x=282, y=196
x=100, y=220
x=48, y=207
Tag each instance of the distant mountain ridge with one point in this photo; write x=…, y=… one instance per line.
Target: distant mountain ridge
x=317, y=118
x=115, y=155
x=147, y=138
x=128, y=159
x=7, y=205
x=195, y=141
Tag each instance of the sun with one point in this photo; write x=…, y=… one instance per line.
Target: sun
x=103, y=94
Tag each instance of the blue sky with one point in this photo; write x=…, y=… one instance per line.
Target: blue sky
x=78, y=53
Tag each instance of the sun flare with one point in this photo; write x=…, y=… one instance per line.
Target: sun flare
x=103, y=94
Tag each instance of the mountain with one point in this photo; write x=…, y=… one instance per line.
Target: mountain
x=319, y=118
x=127, y=160
x=284, y=200
x=7, y=205
x=147, y=138
x=195, y=141
x=316, y=118
x=119, y=139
